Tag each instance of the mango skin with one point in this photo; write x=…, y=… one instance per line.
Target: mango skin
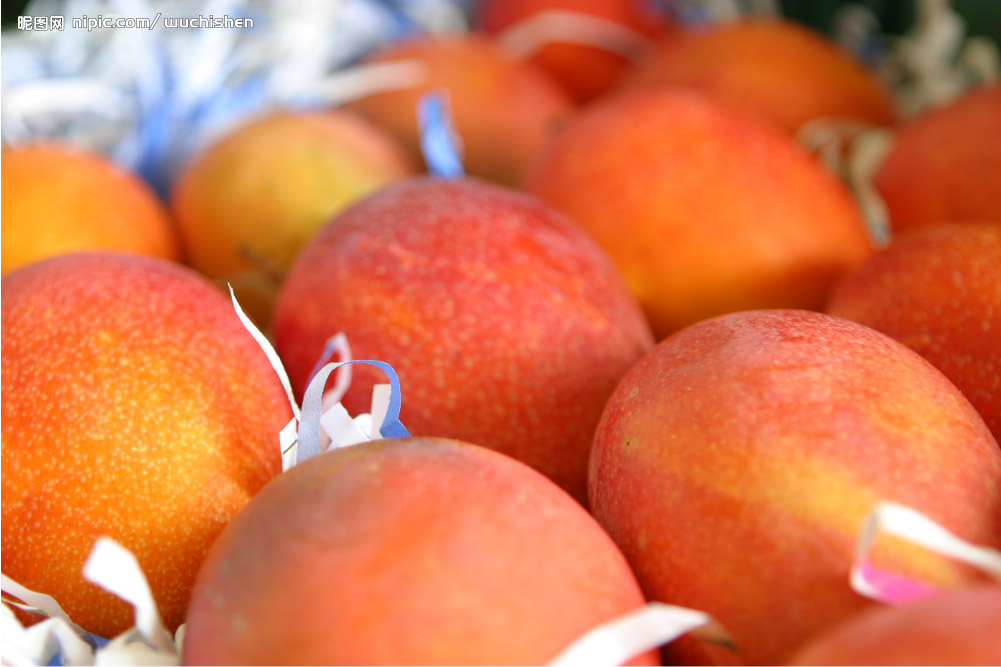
x=249, y=201
x=503, y=109
x=407, y=552
x=945, y=164
x=937, y=290
x=948, y=628
x=704, y=210
x=60, y=200
x=776, y=70
x=135, y=405
x=735, y=463
x=508, y=327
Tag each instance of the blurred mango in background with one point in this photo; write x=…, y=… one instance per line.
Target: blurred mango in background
x=58, y=199
x=248, y=203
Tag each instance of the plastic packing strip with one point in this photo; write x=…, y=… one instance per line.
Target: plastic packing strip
x=527, y=37
x=901, y=521
x=647, y=628
x=441, y=144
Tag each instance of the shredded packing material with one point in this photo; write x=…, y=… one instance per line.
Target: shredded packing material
x=149, y=98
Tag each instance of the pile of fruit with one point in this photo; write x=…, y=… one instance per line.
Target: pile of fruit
x=649, y=352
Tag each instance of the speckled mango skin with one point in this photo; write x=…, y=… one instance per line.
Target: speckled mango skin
x=937, y=289
x=703, y=210
x=949, y=628
x=135, y=405
x=508, y=327
x=503, y=109
x=945, y=164
x=778, y=71
x=735, y=463
x=413, y=551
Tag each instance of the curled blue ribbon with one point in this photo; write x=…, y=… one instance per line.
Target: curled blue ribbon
x=312, y=408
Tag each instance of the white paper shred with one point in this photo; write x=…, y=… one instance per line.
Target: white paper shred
x=113, y=567
x=268, y=349
x=854, y=151
x=41, y=643
x=35, y=602
x=525, y=38
x=343, y=430
x=58, y=640
x=358, y=81
x=622, y=638
x=937, y=60
x=339, y=346
x=288, y=436
x=909, y=524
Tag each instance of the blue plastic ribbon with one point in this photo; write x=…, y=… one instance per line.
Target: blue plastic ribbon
x=439, y=140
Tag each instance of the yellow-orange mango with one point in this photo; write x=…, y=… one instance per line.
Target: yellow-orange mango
x=776, y=70
x=248, y=202
x=136, y=406
x=704, y=210
x=58, y=200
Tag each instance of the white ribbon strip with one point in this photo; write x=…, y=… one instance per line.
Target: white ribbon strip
x=636, y=632
x=906, y=523
x=288, y=439
x=342, y=430
x=113, y=567
x=380, y=405
x=853, y=151
x=39, y=644
x=358, y=81
x=337, y=344
x=35, y=602
x=557, y=25
x=269, y=350
x=288, y=436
